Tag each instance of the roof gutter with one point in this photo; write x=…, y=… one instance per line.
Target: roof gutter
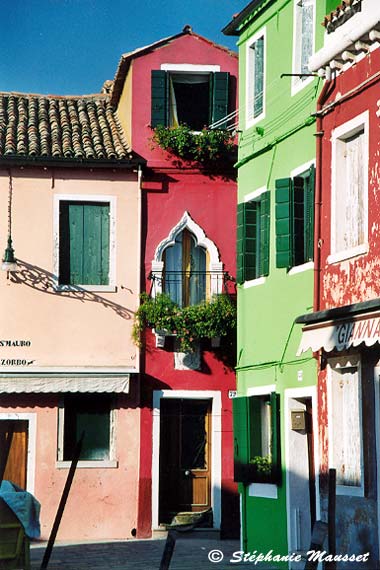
x=133, y=163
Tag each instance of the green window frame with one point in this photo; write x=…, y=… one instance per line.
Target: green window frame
x=84, y=243
x=257, y=455
x=295, y=219
x=253, y=227
x=162, y=97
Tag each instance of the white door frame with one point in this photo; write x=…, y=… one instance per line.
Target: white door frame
x=216, y=447
x=291, y=393
x=31, y=453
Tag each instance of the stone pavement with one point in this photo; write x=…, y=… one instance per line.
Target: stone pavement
x=189, y=554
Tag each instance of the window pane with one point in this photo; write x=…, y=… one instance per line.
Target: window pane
x=197, y=280
x=189, y=100
x=345, y=430
x=258, y=77
x=91, y=414
x=350, y=206
x=307, y=35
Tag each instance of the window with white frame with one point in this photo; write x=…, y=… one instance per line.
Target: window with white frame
x=303, y=41
x=84, y=238
x=186, y=265
x=92, y=415
x=349, y=219
x=345, y=426
x=255, y=97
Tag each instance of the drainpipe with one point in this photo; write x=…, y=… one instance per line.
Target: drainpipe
x=318, y=193
x=139, y=247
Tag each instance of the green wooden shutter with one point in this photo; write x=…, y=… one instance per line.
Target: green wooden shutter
x=159, y=98
x=241, y=436
x=89, y=230
x=96, y=244
x=240, y=244
x=76, y=231
x=298, y=244
x=309, y=215
x=264, y=245
x=220, y=88
x=258, y=91
x=275, y=443
x=284, y=223
x=246, y=241
x=250, y=240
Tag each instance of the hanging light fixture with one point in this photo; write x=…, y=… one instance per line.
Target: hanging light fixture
x=9, y=261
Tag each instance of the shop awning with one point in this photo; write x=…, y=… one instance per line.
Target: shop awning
x=17, y=384
x=341, y=328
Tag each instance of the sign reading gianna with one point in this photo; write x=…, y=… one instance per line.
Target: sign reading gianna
x=342, y=334
x=352, y=333
x=15, y=344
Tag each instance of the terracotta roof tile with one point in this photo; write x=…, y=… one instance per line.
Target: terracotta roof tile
x=72, y=128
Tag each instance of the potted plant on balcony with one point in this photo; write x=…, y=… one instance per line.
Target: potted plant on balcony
x=190, y=324
x=204, y=147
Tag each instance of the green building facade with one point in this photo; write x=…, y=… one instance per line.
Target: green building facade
x=276, y=447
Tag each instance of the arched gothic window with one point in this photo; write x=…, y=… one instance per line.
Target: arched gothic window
x=186, y=265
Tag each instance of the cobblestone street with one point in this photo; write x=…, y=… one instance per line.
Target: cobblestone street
x=189, y=553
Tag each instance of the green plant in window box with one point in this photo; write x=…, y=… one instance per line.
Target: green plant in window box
x=205, y=146
x=262, y=465
x=190, y=324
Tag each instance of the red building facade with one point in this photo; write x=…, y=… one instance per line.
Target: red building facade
x=344, y=330
x=188, y=217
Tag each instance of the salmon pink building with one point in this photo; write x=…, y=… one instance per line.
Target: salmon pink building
x=188, y=252
x=70, y=215
x=344, y=330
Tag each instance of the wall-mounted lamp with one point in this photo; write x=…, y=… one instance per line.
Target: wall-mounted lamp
x=9, y=261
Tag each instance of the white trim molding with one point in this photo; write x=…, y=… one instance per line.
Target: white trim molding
x=111, y=200
x=31, y=418
x=215, y=265
x=190, y=67
x=216, y=447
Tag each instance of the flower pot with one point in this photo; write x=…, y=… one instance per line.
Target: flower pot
x=160, y=338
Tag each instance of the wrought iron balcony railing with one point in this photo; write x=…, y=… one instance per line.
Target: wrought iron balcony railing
x=190, y=287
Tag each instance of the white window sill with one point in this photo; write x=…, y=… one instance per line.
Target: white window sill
x=348, y=254
x=350, y=490
x=252, y=122
x=254, y=282
x=264, y=490
x=88, y=464
x=82, y=288
x=299, y=85
x=301, y=268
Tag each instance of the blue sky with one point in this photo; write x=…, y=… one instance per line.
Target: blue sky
x=73, y=46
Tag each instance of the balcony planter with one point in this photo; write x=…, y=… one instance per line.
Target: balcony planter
x=209, y=319
x=204, y=147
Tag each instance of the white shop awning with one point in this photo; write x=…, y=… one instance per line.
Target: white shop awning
x=35, y=384
x=341, y=334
